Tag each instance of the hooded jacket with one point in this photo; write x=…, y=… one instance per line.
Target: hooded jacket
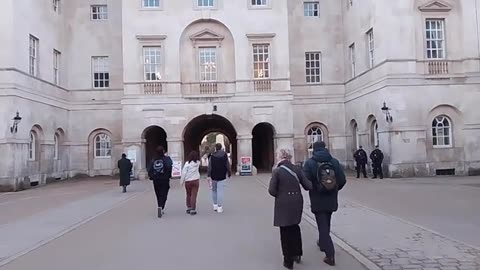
x=190, y=171
x=219, y=166
x=321, y=200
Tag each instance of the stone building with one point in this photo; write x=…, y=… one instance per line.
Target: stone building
x=93, y=79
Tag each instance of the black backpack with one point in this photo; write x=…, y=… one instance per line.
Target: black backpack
x=326, y=176
x=158, y=168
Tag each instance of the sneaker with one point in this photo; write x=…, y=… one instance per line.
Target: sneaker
x=215, y=207
x=219, y=209
x=193, y=212
x=160, y=212
x=188, y=211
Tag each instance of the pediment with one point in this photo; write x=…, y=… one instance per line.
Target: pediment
x=206, y=35
x=435, y=6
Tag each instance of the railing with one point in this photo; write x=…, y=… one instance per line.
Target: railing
x=263, y=85
x=152, y=88
x=437, y=67
x=208, y=88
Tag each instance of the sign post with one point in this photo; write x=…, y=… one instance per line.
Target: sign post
x=245, y=166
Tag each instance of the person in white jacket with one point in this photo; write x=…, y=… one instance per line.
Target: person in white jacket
x=191, y=179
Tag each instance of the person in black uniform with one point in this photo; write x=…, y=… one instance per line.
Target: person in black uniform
x=361, y=159
x=377, y=158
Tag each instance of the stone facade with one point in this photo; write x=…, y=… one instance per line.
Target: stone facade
x=71, y=126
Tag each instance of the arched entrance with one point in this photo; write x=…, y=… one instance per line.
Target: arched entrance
x=263, y=147
x=203, y=125
x=154, y=136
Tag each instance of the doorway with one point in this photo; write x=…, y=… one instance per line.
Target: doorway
x=154, y=136
x=263, y=147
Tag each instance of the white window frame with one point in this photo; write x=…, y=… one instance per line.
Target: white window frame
x=56, y=139
x=33, y=56
x=102, y=146
x=56, y=66
x=100, y=65
x=32, y=145
x=151, y=4
x=261, y=69
x=313, y=68
x=205, y=4
x=371, y=48
x=352, y=57
x=311, y=9
x=438, y=132
x=314, y=134
x=99, y=12
x=435, y=40
x=208, y=71
x=152, y=53
x=259, y=3
x=56, y=5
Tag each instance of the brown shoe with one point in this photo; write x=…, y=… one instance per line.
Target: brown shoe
x=329, y=261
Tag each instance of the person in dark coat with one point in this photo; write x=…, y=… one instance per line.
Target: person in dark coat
x=361, y=159
x=285, y=187
x=377, y=158
x=125, y=166
x=324, y=203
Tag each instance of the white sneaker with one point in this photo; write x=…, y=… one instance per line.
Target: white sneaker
x=219, y=209
x=215, y=207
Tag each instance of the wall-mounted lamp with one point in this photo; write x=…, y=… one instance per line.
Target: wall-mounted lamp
x=386, y=111
x=214, y=108
x=16, y=120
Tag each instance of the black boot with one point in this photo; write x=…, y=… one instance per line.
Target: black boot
x=160, y=212
x=297, y=259
x=329, y=261
x=288, y=263
x=124, y=189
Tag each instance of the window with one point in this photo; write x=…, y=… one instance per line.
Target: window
x=208, y=64
x=56, y=67
x=56, y=5
x=441, y=132
x=371, y=48
x=312, y=67
x=259, y=2
x=152, y=63
x=261, y=61
x=101, y=76
x=33, y=64
x=151, y=3
x=352, y=59
x=311, y=9
x=355, y=135
x=205, y=3
x=55, y=147
x=99, y=12
x=32, y=146
x=374, y=134
x=435, y=37
x=103, y=146
x=314, y=134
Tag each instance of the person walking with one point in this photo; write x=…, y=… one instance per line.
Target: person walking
x=218, y=170
x=285, y=187
x=361, y=159
x=191, y=178
x=377, y=159
x=160, y=172
x=125, y=167
x=328, y=178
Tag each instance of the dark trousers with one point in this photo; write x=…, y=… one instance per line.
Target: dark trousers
x=161, y=191
x=191, y=188
x=361, y=167
x=377, y=170
x=324, y=240
x=291, y=238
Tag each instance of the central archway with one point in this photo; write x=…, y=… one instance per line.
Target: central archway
x=203, y=125
x=263, y=147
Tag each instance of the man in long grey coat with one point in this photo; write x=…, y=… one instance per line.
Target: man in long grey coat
x=125, y=166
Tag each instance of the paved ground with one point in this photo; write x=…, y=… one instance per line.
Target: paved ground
x=110, y=230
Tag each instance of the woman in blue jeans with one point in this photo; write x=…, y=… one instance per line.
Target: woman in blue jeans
x=218, y=170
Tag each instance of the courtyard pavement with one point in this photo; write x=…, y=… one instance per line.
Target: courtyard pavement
x=91, y=225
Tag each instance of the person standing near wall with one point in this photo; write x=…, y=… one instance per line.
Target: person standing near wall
x=160, y=172
x=361, y=159
x=218, y=170
x=377, y=159
x=125, y=167
x=191, y=178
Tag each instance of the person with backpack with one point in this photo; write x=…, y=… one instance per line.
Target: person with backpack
x=285, y=187
x=191, y=178
x=361, y=159
x=377, y=158
x=160, y=172
x=327, y=177
x=218, y=170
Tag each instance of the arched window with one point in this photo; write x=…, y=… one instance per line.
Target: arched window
x=374, y=133
x=103, y=146
x=314, y=134
x=55, y=146
x=32, y=146
x=442, y=132
x=355, y=135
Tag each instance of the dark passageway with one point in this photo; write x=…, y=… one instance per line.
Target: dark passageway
x=263, y=148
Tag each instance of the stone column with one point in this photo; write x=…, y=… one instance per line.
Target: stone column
x=244, y=148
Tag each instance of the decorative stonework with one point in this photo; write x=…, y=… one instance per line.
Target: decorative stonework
x=435, y=6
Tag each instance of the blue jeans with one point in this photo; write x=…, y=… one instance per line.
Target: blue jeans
x=218, y=190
